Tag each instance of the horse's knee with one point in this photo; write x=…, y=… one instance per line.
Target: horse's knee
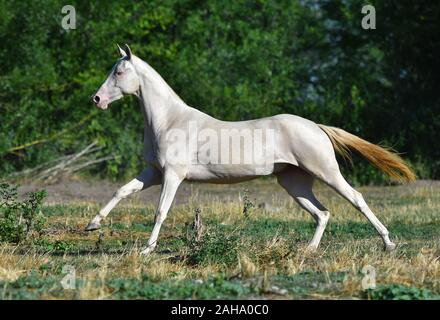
x=123, y=192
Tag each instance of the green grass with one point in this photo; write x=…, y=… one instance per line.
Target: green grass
x=260, y=256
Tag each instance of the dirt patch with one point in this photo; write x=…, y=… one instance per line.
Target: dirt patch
x=74, y=189
x=264, y=192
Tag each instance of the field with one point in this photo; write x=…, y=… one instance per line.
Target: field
x=251, y=245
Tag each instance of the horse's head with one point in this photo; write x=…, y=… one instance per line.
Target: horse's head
x=121, y=80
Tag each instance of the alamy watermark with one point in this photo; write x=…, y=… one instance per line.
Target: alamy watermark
x=369, y=20
x=249, y=147
x=69, y=280
x=69, y=20
x=369, y=279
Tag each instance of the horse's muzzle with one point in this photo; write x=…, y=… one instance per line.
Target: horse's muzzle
x=99, y=102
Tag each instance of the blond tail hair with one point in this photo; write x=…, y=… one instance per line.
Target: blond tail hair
x=385, y=159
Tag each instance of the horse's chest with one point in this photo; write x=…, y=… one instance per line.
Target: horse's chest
x=150, y=150
x=154, y=152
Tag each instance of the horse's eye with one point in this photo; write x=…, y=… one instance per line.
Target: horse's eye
x=118, y=73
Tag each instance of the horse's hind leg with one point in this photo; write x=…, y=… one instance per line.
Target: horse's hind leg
x=145, y=179
x=337, y=182
x=298, y=183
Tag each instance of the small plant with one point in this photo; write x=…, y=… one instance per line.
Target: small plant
x=215, y=246
x=58, y=245
x=195, y=231
x=247, y=204
x=398, y=292
x=215, y=287
x=19, y=219
x=100, y=241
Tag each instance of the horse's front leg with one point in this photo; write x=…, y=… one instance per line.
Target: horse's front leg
x=147, y=178
x=169, y=187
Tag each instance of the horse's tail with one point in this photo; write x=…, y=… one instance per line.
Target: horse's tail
x=385, y=159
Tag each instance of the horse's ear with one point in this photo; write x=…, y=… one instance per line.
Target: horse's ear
x=128, y=51
x=120, y=51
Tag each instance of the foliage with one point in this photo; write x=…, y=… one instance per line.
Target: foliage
x=53, y=246
x=398, y=292
x=19, y=219
x=234, y=60
x=33, y=285
x=247, y=204
x=213, y=288
x=216, y=244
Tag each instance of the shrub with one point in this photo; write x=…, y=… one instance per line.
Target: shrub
x=247, y=204
x=19, y=219
x=216, y=245
x=57, y=246
x=398, y=292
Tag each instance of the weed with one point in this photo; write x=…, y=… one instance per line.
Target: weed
x=47, y=245
x=146, y=288
x=100, y=241
x=19, y=219
x=195, y=232
x=215, y=246
x=247, y=204
x=398, y=292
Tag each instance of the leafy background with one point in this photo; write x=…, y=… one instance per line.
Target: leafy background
x=235, y=60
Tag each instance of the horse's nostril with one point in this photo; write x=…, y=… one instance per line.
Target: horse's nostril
x=96, y=99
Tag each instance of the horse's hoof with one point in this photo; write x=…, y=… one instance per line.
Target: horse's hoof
x=390, y=247
x=92, y=226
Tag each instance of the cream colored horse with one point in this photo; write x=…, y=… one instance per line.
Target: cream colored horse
x=300, y=150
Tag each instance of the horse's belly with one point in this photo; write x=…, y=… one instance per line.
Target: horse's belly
x=226, y=173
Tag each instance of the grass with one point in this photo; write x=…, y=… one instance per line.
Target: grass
x=258, y=255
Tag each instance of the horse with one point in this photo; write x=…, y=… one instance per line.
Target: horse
x=296, y=151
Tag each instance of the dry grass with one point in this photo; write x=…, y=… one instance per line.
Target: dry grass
x=270, y=245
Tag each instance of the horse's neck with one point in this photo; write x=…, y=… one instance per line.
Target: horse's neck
x=158, y=101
